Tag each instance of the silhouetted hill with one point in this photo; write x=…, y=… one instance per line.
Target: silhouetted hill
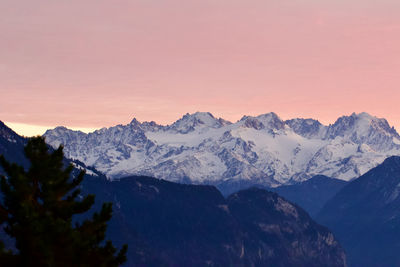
x=365, y=216
x=193, y=225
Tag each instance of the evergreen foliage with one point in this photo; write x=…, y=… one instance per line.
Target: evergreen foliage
x=38, y=208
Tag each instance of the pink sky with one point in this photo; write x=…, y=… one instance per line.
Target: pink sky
x=97, y=63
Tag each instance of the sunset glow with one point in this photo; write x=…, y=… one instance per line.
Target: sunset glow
x=90, y=64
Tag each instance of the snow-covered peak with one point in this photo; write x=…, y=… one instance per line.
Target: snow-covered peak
x=201, y=148
x=364, y=128
x=60, y=130
x=135, y=123
x=270, y=121
x=190, y=122
x=146, y=126
x=360, y=123
x=62, y=135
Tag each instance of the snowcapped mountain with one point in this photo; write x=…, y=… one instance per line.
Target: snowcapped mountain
x=200, y=148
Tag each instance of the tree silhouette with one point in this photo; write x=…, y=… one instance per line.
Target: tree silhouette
x=38, y=208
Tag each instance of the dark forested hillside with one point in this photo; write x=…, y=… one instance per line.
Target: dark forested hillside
x=192, y=225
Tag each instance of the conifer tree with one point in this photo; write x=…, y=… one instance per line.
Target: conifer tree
x=38, y=208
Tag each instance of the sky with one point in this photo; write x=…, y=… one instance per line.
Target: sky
x=97, y=63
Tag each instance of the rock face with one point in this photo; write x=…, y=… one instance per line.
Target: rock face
x=169, y=224
x=199, y=148
x=312, y=194
x=365, y=216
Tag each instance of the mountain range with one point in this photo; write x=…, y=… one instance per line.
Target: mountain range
x=363, y=213
x=171, y=224
x=263, y=150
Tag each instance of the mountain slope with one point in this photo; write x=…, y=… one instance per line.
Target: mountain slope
x=365, y=216
x=169, y=224
x=200, y=148
x=194, y=225
x=12, y=145
x=312, y=194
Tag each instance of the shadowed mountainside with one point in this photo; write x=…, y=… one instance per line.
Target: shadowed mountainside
x=312, y=194
x=194, y=225
x=365, y=216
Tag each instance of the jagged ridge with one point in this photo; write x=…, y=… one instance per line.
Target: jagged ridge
x=200, y=148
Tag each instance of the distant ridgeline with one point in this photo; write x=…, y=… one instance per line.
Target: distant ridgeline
x=263, y=150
